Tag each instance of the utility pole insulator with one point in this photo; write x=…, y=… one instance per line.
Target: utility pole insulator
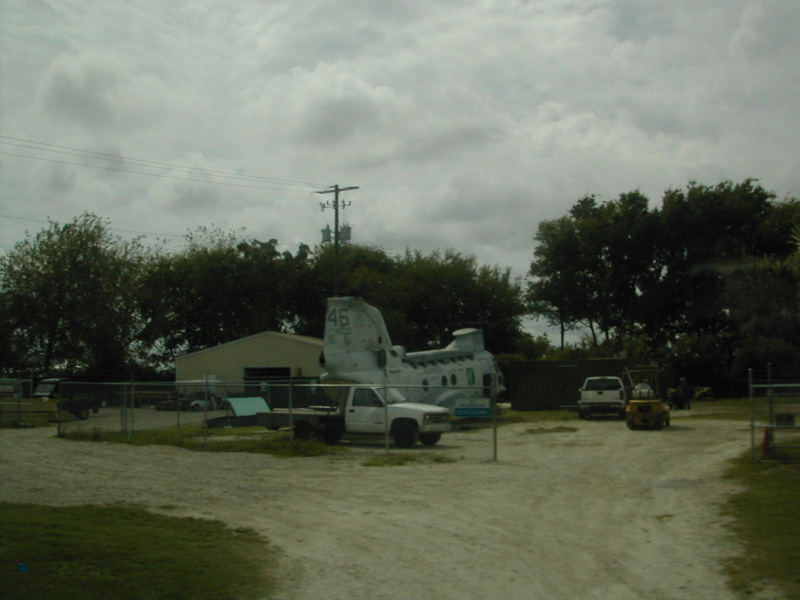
x=336, y=205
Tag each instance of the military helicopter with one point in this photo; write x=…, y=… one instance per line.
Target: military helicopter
x=463, y=377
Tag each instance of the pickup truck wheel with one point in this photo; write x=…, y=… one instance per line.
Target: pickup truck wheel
x=404, y=434
x=303, y=430
x=83, y=414
x=430, y=439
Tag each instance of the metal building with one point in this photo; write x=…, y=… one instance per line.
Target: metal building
x=267, y=355
x=553, y=384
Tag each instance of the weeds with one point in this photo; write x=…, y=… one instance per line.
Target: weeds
x=765, y=520
x=405, y=458
x=194, y=438
x=125, y=552
x=558, y=429
x=536, y=416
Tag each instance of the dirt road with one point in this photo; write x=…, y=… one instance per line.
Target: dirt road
x=597, y=513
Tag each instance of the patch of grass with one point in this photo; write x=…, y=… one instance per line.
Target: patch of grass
x=665, y=517
x=557, y=429
x=729, y=409
x=250, y=440
x=127, y=553
x=765, y=520
x=405, y=458
x=536, y=416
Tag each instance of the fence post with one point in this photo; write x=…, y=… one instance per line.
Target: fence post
x=291, y=408
x=752, y=416
x=133, y=408
x=205, y=412
x=493, y=407
x=129, y=410
x=122, y=408
x=385, y=413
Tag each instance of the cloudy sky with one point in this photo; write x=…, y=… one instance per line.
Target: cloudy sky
x=464, y=123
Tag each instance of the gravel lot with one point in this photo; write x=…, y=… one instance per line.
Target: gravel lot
x=597, y=513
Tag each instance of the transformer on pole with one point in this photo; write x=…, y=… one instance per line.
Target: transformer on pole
x=337, y=233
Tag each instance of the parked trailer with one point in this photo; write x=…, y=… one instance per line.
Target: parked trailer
x=339, y=410
x=79, y=405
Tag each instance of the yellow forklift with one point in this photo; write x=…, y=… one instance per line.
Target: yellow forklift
x=647, y=408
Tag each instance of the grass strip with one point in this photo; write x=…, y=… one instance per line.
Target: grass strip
x=536, y=416
x=557, y=429
x=127, y=553
x=766, y=522
x=193, y=438
x=405, y=458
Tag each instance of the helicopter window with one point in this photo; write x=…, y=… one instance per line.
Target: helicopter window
x=453, y=379
x=444, y=380
x=425, y=385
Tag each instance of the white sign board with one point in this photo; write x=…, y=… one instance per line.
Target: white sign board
x=248, y=407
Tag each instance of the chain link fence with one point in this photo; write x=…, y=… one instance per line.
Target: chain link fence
x=306, y=407
x=16, y=408
x=774, y=417
x=132, y=406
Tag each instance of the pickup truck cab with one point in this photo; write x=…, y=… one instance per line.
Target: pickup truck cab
x=363, y=410
x=602, y=395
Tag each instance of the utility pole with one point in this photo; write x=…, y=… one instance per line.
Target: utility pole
x=336, y=205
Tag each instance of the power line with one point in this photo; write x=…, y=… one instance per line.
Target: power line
x=112, y=228
x=65, y=162
x=152, y=165
x=175, y=235
x=90, y=154
x=120, y=158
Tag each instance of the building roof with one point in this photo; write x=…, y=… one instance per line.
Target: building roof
x=286, y=337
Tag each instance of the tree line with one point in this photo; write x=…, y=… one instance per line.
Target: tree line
x=706, y=284
x=77, y=298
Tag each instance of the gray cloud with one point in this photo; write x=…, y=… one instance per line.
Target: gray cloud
x=99, y=94
x=463, y=123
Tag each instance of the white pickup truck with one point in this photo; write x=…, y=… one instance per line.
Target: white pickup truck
x=362, y=409
x=602, y=395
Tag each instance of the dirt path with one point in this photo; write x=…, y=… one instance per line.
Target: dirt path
x=598, y=513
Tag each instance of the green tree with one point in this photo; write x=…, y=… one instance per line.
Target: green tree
x=793, y=260
x=592, y=267
x=560, y=292
x=217, y=290
x=423, y=297
x=763, y=300
x=626, y=270
x=69, y=298
x=440, y=292
x=363, y=270
x=709, y=231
